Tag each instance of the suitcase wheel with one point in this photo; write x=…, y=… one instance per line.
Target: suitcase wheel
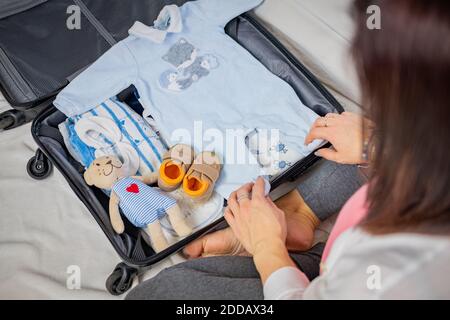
x=121, y=279
x=11, y=119
x=39, y=166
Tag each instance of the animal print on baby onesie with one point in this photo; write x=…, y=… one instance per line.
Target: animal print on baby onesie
x=181, y=54
x=190, y=66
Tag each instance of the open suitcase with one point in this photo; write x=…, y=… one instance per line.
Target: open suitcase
x=32, y=80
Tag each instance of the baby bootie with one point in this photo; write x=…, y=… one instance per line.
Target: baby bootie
x=199, y=181
x=176, y=161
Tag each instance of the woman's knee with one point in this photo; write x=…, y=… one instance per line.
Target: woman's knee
x=328, y=186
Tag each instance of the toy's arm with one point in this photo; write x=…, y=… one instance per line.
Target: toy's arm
x=114, y=214
x=148, y=179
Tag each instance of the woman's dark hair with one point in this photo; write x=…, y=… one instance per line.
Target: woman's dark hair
x=404, y=72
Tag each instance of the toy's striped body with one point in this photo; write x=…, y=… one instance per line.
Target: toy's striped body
x=141, y=204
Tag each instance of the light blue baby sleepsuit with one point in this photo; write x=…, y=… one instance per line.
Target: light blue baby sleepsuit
x=194, y=80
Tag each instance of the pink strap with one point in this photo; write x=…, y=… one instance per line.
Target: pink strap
x=351, y=214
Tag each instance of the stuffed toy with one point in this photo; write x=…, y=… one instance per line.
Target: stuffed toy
x=141, y=204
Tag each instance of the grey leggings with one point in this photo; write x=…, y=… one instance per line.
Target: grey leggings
x=217, y=278
x=325, y=188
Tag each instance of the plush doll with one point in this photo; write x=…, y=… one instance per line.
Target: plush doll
x=141, y=204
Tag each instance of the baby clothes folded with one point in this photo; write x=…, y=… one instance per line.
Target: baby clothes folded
x=112, y=128
x=200, y=87
x=273, y=151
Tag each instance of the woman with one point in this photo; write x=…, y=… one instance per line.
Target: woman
x=391, y=239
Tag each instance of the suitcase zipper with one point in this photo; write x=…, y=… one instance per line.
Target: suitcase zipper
x=95, y=23
x=295, y=62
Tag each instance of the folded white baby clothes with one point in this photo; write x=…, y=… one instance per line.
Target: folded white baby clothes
x=112, y=128
x=272, y=150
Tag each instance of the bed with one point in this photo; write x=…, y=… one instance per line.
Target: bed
x=318, y=33
x=50, y=246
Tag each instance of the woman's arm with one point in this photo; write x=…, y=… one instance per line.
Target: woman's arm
x=270, y=258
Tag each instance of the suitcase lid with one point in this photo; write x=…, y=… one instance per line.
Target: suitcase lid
x=44, y=44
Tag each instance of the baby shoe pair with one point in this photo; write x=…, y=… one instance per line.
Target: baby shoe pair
x=196, y=174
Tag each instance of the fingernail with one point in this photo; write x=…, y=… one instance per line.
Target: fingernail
x=317, y=154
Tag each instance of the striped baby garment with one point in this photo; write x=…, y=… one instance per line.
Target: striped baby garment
x=141, y=204
x=113, y=128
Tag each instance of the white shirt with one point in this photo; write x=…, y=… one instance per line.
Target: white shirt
x=364, y=266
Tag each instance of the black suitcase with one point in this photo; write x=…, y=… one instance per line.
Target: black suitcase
x=46, y=43
x=137, y=256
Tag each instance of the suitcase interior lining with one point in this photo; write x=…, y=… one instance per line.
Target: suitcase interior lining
x=247, y=31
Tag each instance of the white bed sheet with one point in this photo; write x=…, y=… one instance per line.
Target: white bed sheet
x=318, y=33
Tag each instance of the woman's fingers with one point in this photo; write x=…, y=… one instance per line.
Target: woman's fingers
x=229, y=217
x=234, y=225
x=332, y=115
x=323, y=133
x=317, y=123
x=328, y=153
x=258, y=190
x=233, y=205
x=243, y=194
x=246, y=188
x=328, y=120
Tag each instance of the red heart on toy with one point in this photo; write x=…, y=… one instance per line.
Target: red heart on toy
x=133, y=188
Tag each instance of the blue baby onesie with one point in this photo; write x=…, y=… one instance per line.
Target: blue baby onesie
x=113, y=128
x=200, y=87
x=140, y=203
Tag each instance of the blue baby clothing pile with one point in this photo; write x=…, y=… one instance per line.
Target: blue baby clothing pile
x=113, y=128
x=201, y=88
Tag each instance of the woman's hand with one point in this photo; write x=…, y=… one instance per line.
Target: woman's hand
x=255, y=220
x=345, y=132
x=260, y=227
